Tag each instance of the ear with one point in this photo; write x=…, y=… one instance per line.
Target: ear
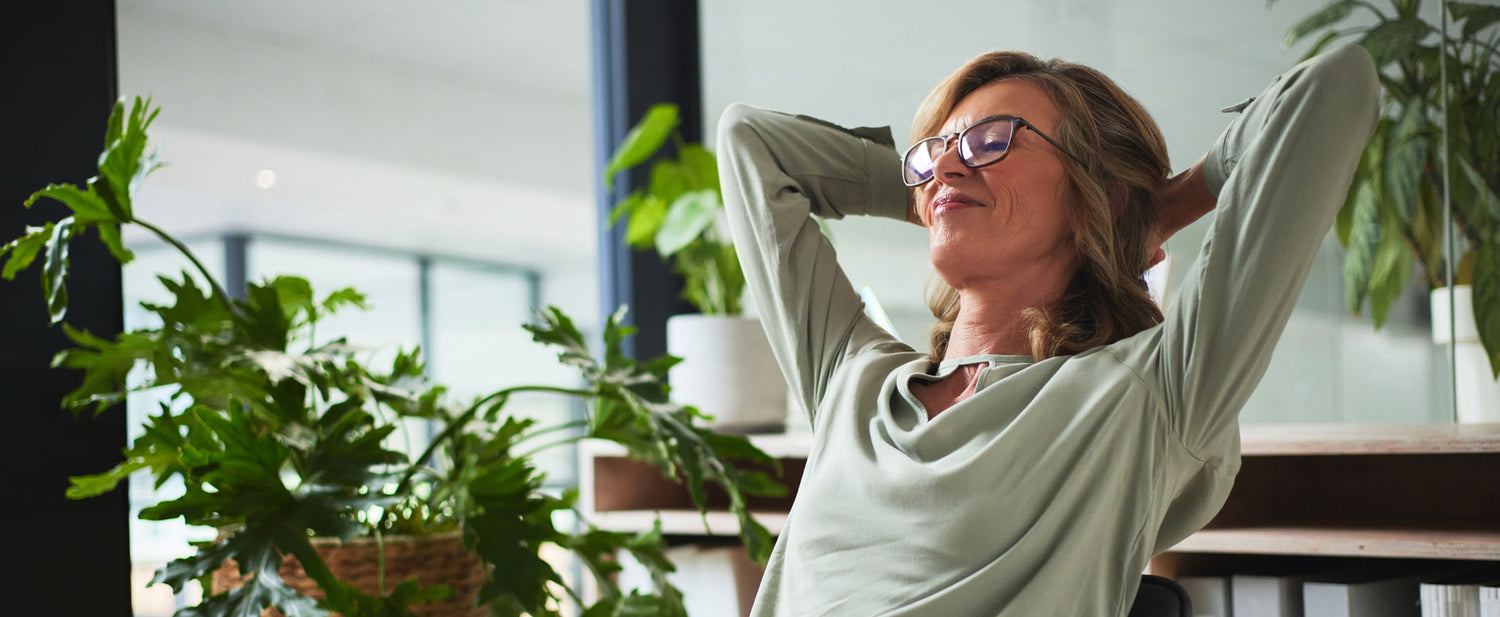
x=1156, y=258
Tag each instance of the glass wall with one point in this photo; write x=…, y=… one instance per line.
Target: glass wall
x=871, y=63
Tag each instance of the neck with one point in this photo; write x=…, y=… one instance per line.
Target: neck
x=991, y=320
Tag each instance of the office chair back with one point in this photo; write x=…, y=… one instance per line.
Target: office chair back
x=1161, y=597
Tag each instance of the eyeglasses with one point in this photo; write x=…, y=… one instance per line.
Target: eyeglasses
x=983, y=143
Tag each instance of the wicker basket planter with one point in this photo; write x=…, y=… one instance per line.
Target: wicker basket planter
x=432, y=560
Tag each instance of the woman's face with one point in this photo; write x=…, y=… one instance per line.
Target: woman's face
x=1009, y=219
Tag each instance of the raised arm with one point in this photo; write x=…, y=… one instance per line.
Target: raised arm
x=1280, y=173
x=777, y=171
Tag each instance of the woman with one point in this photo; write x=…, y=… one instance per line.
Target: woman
x=1063, y=429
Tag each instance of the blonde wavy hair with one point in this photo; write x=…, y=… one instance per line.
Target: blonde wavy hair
x=1114, y=201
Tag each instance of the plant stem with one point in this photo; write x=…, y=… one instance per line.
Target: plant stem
x=532, y=452
x=212, y=282
x=553, y=429
x=458, y=423
x=379, y=561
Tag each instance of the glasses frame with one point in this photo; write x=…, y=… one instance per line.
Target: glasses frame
x=945, y=139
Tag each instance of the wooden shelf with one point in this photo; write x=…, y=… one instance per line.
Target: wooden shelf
x=1256, y=440
x=779, y=445
x=1417, y=544
x=683, y=522
x=1334, y=439
x=1304, y=492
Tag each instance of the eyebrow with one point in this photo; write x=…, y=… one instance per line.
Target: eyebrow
x=978, y=122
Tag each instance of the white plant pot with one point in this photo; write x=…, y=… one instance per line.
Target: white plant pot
x=1478, y=392
x=728, y=372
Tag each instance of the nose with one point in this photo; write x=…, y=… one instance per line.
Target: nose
x=948, y=165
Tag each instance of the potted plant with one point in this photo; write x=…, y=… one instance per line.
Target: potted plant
x=727, y=367
x=1393, y=218
x=281, y=441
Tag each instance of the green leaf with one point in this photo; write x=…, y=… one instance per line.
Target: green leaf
x=1406, y=162
x=732, y=277
x=295, y=295
x=341, y=596
x=193, y=311
x=55, y=272
x=643, y=140
x=1480, y=205
x=760, y=484
x=266, y=321
x=700, y=167
x=686, y=220
x=645, y=222
x=23, y=250
x=661, y=365
x=625, y=207
x=109, y=233
x=115, y=126
x=1476, y=17
x=649, y=549
x=87, y=206
x=1487, y=302
x=121, y=165
x=1364, y=240
x=1391, y=273
x=347, y=296
x=712, y=279
x=82, y=487
x=411, y=592
x=597, y=549
x=633, y=409
x=1427, y=231
x=512, y=522
x=1395, y=39
x=349, y=455
x=1327, y=16
x=737, y=447
x=179, y=572
x=668, y=181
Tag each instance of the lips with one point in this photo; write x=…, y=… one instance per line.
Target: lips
x=953, y=201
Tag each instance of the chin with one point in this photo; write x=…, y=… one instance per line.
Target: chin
x=954, y=265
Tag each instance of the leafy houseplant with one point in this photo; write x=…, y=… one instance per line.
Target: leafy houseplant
x=728, y=368
x=280, y=439
x=677, y=212
x=1393, y=217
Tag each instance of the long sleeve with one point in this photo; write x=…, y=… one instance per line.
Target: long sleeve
x=1281, y=171
x=776, y=171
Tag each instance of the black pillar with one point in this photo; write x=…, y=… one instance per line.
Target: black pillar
x=645, y=52
x=66, y=557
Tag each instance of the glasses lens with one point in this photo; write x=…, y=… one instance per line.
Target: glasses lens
x=917, y=165
x=986, y=142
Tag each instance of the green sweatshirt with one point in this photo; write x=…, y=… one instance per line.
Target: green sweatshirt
x=1048, y=490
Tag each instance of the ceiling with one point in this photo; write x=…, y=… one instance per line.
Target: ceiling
x=460, y=127
x=537, y=45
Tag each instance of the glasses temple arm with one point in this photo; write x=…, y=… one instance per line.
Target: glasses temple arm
x=1053, y=142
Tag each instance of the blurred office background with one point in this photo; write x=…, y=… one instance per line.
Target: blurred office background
x=439, y=157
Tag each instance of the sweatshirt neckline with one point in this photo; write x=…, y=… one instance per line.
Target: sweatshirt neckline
x=949, y=364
